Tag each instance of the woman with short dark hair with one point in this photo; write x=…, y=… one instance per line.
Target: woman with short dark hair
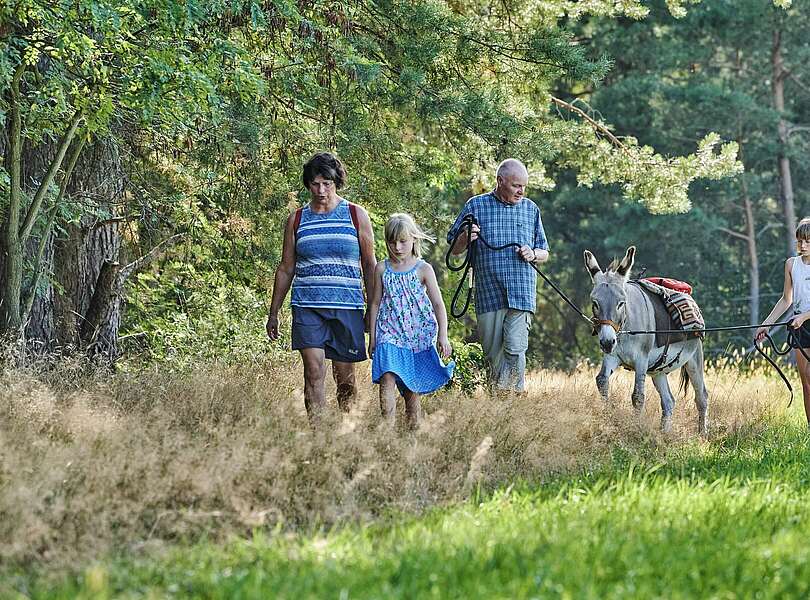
x=328, y=259
x=326, y=165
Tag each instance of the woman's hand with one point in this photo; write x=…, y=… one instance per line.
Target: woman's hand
x=372, y=344
x=272, y=327
x=760, y=334
x=445, y=349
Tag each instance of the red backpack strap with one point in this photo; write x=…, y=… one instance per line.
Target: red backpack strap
x=297, y=221
x=356, y=222
x=353, y=213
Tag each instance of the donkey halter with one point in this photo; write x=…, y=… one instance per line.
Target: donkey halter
x=597, y=322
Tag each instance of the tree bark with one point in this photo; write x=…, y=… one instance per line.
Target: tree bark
x=74, y=254
x=99, y=328
x=79, y=307
x=751, y=243
x=81, y=252
x=778, y=76
x=20, y=218
x=12, y=259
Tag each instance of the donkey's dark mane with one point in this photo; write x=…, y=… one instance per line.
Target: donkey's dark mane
x=614, y=264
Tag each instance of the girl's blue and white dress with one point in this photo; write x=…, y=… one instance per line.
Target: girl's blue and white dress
x=406, y=335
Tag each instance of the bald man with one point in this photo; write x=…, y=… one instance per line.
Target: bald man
x=505, y=283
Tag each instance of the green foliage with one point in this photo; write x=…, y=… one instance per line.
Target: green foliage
x=218, y=322
x=661, y=183
x=219, y=104
x=471, y=367
x=103, y=58
x=202, y=303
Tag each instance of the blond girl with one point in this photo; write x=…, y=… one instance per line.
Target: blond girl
x=407, y=321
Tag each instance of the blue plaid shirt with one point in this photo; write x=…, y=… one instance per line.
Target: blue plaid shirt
x=502, y=278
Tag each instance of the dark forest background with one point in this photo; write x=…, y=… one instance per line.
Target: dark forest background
x=152, y=151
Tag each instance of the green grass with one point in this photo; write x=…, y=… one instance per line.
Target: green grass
x=723, y=519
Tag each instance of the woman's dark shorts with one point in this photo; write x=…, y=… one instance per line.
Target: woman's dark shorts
x=339, y=331
x=800, y=338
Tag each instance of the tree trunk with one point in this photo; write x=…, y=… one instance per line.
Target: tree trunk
x=99, y=330
x=10, y=250
x=76, y=253
x=785, y=179
x=751, y=242
x=86, y=246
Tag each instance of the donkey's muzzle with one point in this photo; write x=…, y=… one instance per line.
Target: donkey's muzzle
x=607, y=345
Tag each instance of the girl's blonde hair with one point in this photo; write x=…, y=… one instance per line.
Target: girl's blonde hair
x=401, y=225
x=803, y=229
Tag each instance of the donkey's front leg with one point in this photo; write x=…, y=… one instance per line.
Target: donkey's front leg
x=609, y=364
x=638, y=387
x=661, y=384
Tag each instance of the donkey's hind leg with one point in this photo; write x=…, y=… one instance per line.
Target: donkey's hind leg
x=667, y=400
x=694, y=372
x=639, y=376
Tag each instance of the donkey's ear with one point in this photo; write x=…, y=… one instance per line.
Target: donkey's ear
x=627, y=262
x=591, y=264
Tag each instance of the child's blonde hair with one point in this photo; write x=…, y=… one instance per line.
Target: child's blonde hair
x=401, y=225
x=803, y=229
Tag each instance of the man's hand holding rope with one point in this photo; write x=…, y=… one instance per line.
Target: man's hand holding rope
x=466, y=236
x=532, y=255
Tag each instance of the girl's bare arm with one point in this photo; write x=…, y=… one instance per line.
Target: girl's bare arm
x=781, y=305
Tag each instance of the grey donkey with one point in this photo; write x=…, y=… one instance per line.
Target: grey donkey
x=618, y=305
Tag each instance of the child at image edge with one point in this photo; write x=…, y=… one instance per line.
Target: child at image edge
x=796, y=292
x=407, y=315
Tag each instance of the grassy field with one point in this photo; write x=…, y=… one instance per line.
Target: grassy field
x=553, y=495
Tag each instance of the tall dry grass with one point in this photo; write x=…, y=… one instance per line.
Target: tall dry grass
x=90, y=465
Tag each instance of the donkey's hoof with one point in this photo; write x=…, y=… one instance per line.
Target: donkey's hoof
x=666, y=424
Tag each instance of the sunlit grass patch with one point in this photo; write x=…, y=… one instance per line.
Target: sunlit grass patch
x=140, y=463
x=695, y=527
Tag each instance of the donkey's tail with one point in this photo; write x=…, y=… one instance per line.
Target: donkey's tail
x=684, y=381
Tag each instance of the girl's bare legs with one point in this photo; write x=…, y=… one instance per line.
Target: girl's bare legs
x=412, y=409
x=804, y=375
x=388, y=397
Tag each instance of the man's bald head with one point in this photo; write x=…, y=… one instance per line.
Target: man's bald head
x=512, y=178
x=511, y=167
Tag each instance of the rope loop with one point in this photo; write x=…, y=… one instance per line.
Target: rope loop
x=468, y=265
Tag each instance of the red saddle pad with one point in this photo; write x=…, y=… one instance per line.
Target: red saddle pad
x=672, y=284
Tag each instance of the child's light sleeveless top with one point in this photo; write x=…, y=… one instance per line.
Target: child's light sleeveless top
x=406, y=316
x=800, y=273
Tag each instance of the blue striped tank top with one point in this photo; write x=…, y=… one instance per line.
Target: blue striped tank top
x=327, y=266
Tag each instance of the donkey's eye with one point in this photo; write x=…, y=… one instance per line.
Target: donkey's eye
x=620, y=306
x=595, y=306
